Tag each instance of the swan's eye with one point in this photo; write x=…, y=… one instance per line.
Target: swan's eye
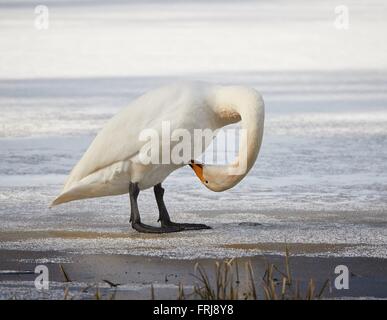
x=206, y=181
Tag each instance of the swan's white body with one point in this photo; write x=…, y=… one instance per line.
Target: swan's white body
x=112, y=160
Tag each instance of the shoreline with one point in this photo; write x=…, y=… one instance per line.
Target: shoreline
x=136, y=274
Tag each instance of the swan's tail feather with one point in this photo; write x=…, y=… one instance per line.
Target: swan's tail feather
x=90, y=190
x=63, y=198
x=75, y=192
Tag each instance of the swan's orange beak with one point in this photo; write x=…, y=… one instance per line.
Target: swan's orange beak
x=198, y=169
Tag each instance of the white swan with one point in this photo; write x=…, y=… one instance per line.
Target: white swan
x=112, y=166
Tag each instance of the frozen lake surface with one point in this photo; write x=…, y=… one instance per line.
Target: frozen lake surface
x=321, y=176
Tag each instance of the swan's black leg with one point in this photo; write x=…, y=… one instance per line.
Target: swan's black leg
x=164, y=215
x=135, y=215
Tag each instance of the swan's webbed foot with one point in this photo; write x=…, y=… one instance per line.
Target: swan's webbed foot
x=185, y=226
x=140, y=227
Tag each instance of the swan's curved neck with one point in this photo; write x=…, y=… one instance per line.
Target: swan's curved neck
x=232, y=104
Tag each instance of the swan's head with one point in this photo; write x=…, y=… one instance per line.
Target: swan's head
x=215, y=178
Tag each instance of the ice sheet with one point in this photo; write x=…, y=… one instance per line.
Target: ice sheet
x=321, y=176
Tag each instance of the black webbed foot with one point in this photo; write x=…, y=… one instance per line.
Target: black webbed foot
x=185, y=226
x=144, y=228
